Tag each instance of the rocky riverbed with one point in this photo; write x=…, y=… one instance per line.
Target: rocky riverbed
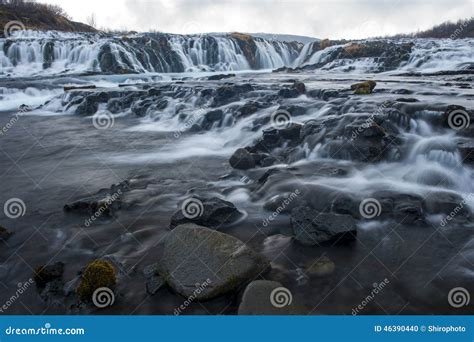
x=288, y=192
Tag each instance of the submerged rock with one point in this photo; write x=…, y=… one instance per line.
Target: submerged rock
x=242, y=159
x=203, y=263
x=264, y=297
x=154, y=282
x=314, y=228
x=467, y=152
x=4, y=234
x=48, y=273
x=320, y=267
x=49, y=283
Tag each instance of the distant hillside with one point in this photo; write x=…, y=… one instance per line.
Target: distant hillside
x=461, y=29
x=38, y=16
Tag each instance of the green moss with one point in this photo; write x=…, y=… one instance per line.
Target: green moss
x=364, y=88
x=98, y=273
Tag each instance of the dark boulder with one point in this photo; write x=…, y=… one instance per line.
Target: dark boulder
x=4, y=234
x=242, y=159
x=467, y=152
x=220, y=77
x=314, y=228
x=48, y=273
x=209, y=212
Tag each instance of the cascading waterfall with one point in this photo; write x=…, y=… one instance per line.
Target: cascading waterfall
x=31, y=53
x=437, y=55
x=35, y=53
x=427, y=55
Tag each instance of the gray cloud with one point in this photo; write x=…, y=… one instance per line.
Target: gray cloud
x=317, y=18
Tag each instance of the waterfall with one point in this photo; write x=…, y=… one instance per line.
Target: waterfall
x=31, y=53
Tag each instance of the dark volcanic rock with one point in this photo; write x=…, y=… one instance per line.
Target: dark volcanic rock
x=154, y=282
x=203, y=263
x=209, y=212
x=220, y=77
x=4, y=234
x=46, y=274
x=314, y=228
x=467, y=152
x=242, y=159
x=230, y=93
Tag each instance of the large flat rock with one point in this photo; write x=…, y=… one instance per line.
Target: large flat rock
x=203, y=263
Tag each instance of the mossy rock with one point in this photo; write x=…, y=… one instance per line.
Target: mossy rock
x=48, y=273
x=98, y=273
x=320, y=267
x=364, y=88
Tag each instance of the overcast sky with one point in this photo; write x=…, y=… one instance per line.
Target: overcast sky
x=316, y=18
